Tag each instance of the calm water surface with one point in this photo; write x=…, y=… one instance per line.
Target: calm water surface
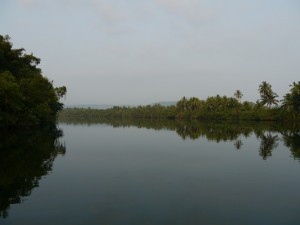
x=151, y=173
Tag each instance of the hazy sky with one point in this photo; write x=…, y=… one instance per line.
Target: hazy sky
x=145, y=51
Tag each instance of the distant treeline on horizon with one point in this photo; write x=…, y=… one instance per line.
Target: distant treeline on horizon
x=268, y=108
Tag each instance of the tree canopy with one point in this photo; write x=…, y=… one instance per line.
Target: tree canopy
x=27, y=98
x=291, y=100
x=213, y=108
x=268, y=97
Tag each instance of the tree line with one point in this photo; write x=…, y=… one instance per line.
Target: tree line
x=268, y=108
x=27, y=98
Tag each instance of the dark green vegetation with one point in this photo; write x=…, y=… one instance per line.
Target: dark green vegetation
x=216, y=107
x=27, y=98
x=24, y=158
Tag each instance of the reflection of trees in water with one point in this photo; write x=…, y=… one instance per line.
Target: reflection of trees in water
x=24, y=158
x=238, y=144
x=192, y=131
x=291, y=139
x=213, y=130
x=267, y=144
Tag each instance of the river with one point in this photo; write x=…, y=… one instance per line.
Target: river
x=151, y=172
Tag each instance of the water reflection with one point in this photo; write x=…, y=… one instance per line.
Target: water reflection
x=269, y=134
x=24, y=158
x=267, y=144
x=291, y=139
x=238, y=144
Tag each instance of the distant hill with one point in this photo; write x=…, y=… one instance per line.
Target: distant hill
x=170, y=103
x=107, y=106
x=103, y=106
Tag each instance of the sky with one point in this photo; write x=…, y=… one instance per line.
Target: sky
x=144, y=51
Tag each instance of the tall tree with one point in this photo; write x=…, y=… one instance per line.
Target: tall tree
x=181, y=105
x=291, y=100
x=238, y=95
x=267, y=96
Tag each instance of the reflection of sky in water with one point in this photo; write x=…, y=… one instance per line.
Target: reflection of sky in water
x=144, y=176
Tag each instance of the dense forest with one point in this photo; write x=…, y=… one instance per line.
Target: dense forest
x=27, y=98
x=268, y=108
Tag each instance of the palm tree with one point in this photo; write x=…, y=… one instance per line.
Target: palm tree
x=287, y=101
x=182, y=104
x=264, y=88
x=270, y=100
x=194, y=103
x=238, y=95
x=291, y=100
x=267, y=96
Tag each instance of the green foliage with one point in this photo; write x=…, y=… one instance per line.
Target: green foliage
x=151, y=112
x=291, y=101
x=11, y=98
x=213, y=108
x=268, y=97
x=238, y=95
x=26, y=97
